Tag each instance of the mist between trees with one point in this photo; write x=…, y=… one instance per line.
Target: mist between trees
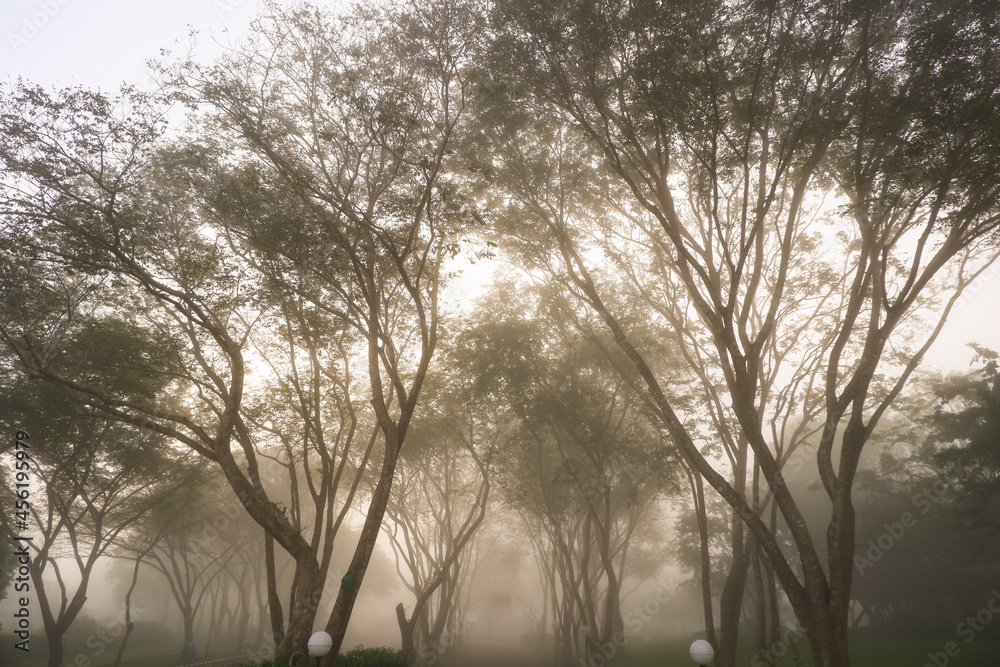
x=728, y=233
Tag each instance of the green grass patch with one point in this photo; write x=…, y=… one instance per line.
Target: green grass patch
x=865, y=652
x=150, y=656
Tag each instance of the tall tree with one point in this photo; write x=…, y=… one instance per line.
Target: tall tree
x=171, y=542
x=437, y=507
x=322, y=172
x=348, y=125
x=94, y=213
x=305, y=423
x=715, y=129
x=97, y=479
x=580, y=446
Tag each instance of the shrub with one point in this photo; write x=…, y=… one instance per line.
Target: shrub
x=376, y=656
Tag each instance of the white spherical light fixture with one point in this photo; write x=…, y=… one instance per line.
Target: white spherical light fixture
x=702, y=652
x=320, y=644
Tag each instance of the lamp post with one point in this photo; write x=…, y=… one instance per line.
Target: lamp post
x=319, y=645
x=586, y=641
x=702, y=652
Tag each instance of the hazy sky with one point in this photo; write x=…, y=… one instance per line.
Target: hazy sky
x=103, y=42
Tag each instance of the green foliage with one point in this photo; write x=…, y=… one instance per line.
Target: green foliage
x=963, y=443
x=927, y=529
x=360, y=656
x=375, y=656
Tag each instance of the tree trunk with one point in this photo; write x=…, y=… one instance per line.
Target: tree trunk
x=128, y=611
x=827, y=631
x=243, y=624
x=55, y=651
x=406, y=635
x=445, y=594
x=212, y=622
x=612, y=636
x=772, y=585
x=730, y=608
x=341, y=614
x=273, y=601
x=187, y=614
x=306, y=604
x=55, y=628
x=760, y=605
x=564, y=642
x=706, y=558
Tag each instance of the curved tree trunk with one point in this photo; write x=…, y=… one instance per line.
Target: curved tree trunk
x=128, y=611
x=273, y=601
x=706, y=557
x=341, y=614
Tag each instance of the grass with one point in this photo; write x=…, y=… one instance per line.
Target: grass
x=865, y=652
x=155, y=656
x=673, y=652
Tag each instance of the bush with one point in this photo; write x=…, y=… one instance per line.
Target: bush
x=376, y=656
x=75, y=640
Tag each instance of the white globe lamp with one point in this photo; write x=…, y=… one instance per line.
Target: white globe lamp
x=702, y=652
x=319, y=645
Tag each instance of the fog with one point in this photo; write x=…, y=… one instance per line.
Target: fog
x=503, y=600
x=562, y=334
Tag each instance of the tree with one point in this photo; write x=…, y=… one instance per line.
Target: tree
x=98, y=479
x=438, y=504
x=965, y=429
x=928, y=541
x=171, y=542
x=348, y=124
x=93, y=213
x=98, y=476
x=578, y=459
x=714, y=129
x=305, y=421
x=354, y=150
